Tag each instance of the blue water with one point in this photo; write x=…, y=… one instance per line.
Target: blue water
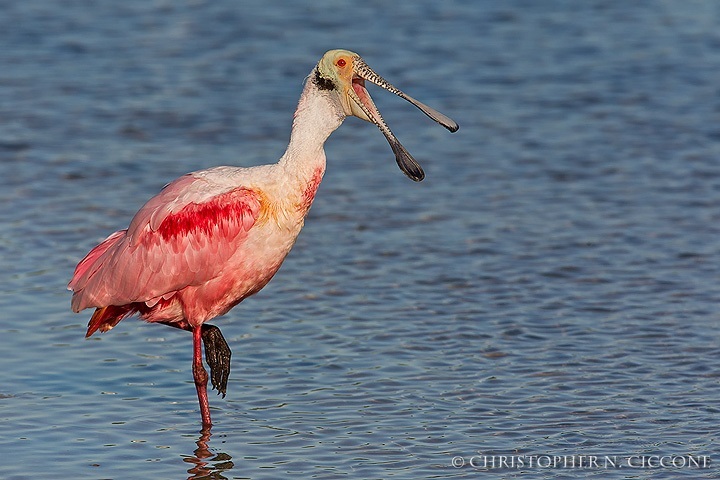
x=551, y=288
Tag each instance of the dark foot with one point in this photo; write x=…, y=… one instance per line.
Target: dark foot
x=217, y=356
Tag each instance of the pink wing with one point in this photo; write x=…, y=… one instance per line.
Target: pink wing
x=180, y=237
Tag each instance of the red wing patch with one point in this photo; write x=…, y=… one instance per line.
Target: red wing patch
x=226, y=214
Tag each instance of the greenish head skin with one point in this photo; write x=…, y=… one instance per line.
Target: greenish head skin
x=345, y=73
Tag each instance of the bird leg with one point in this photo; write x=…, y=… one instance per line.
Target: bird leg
x=217, y=356
x=201, y=377
x=217, y=353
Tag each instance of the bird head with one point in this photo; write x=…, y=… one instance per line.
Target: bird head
x=345, y=73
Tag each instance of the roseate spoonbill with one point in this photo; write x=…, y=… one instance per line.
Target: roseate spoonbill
x=214, y=237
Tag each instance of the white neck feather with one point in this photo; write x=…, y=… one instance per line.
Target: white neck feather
x=318, y=114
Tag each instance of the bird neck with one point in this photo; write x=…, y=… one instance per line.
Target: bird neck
x=318, y=114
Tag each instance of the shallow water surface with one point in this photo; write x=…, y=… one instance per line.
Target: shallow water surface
x=550, y=289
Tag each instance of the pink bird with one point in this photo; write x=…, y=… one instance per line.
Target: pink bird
x=213, y=237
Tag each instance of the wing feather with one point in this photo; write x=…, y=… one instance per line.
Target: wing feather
x=179, y=238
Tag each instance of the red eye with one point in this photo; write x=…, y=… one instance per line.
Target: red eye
x=341, y=62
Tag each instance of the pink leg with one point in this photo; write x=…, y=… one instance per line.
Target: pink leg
x=201, y=377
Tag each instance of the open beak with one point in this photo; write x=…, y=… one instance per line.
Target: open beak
x=363, y=107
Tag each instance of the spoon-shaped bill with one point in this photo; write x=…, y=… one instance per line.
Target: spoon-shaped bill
x=369, y=74
x=403, y=158
x=405, y=161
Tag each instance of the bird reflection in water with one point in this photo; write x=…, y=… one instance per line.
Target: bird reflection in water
x=206, y=464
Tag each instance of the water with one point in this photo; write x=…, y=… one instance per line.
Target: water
x=550, y=289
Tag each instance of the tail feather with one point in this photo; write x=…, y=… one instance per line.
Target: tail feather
x=106, y=318
x=93, y=261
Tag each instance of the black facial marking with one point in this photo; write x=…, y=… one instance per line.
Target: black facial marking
x=323, y=83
